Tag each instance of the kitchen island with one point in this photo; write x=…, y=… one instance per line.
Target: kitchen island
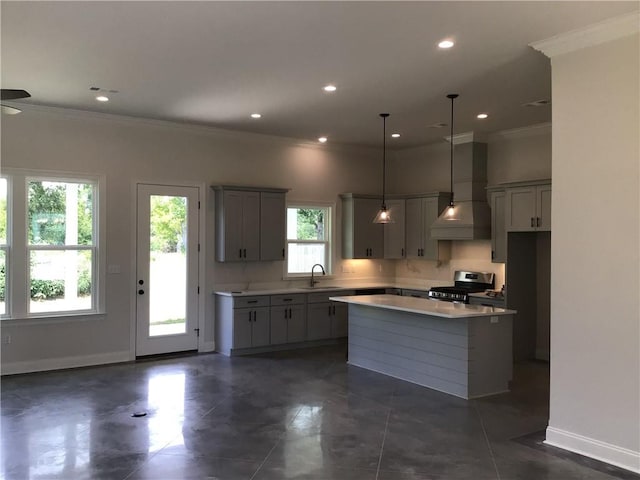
x=463, y=350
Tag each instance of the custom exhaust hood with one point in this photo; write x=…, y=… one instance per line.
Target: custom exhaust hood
x=472, y=220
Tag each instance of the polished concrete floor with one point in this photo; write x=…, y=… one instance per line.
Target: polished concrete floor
x=303, y=415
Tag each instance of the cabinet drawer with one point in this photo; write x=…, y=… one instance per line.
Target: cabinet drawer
x=324, y=296
x=257, y=301
x=295, y=299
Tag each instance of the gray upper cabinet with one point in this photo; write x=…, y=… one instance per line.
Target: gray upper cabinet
x=528, y=208
x=421, y=212
x=250, y=224
x=272, y=225
x=361, y=238
x=394, y=233
x=497, y=201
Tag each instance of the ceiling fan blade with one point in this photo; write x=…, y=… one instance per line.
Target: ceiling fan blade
x=9, y=94
x=7, y=110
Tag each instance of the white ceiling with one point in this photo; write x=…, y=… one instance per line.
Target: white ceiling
x=214, y=63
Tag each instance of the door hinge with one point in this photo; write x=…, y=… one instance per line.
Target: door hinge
x=197, y=330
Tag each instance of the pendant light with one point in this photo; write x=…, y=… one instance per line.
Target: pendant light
x=451, y=213
x=383, y=215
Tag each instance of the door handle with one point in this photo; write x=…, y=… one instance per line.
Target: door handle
x=140, y=292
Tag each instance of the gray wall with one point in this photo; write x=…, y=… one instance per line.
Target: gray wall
x=595, y=340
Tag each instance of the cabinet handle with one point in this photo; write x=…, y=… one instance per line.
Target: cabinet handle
x=537, y=221
x=289, y=313
x=250, y=315
x=402, y=252
x=287, y=299
x=532, y=222
x=240, y=253
x=329, y=310
x=493, y=254
x=283, y=253
x=244, y=251
x=334, y=309
x=252, y=301
x=285, y=313
x=255, y=316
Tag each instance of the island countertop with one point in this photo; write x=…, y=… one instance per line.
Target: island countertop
x=423, y=306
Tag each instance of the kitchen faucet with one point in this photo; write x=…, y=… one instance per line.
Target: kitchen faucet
x=313, y=282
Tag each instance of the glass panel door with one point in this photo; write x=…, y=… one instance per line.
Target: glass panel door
x=167, y=274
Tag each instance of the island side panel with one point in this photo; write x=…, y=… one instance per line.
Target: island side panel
x=490, y=355
x=430, y=351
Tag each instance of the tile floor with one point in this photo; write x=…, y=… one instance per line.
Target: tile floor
x=303, y=415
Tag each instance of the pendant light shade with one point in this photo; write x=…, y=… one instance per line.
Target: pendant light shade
x=451, y=212
x=383, y=215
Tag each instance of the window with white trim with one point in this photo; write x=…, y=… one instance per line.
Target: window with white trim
x=52, y=267
x=308, y=238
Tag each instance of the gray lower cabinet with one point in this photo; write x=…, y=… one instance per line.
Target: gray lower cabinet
x=251, y=327
x=340, y=320
x=319, y=321
x=246, y=324
x=326, y=319
x=288, y=319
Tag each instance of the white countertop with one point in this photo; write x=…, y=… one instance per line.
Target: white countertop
x=292, y=290
x=423, y=306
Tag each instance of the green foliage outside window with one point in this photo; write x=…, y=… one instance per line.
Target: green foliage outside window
x=47, y=213
x=310, y=224
x=168, y=224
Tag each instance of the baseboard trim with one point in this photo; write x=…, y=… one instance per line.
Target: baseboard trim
x=596, y=449
x=46, y=364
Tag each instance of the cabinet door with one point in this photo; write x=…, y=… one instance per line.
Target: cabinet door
x=543, y=207
x=368, y=237
x=413, y=218
x=430, y=213
x=339, y=320
x=521, y=209
x=251, y=226
x=272, y=226
x=297, y=325
x=279, y=319
x=394, y=232
x=232, y=204
x=498, y=230
x=260, y=328
x=242, y=323
x=318, y=321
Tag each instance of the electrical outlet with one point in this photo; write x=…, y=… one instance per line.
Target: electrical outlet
x=6, y=339
x=494, y=320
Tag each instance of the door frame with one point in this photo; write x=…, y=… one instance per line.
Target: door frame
x=203, y=195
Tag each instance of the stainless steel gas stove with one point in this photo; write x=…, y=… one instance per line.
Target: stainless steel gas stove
x=464, y=284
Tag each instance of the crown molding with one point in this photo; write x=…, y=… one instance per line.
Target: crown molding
x=466, y=137
x=596, y=34
x=523, y=132
x=192, y=128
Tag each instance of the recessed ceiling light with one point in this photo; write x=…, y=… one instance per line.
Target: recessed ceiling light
x=256, y=115
x=395, y=135
x=446, y=43
x=482, y=116
x=102, y=98
x=323, y=139
x=329, y=88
